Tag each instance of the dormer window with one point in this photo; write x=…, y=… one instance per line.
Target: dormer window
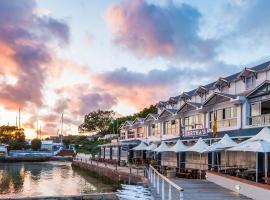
x=250, y=82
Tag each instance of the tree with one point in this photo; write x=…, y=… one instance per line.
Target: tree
x=97, y=121
x=13, y=136
x=36, y=144
x=143, y=113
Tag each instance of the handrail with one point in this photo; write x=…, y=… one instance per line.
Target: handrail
x=166, y=179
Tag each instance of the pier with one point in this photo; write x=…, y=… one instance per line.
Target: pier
x=115, y=173
x=192, y=188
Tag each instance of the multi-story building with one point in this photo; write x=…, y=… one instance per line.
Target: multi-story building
x=240, y=102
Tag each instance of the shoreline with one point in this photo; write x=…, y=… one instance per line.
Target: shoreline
x=33, y=159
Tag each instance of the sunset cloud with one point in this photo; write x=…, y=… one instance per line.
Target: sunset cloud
x=24, y=51
x=150, y=30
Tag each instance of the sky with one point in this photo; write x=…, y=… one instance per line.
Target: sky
x=77, y=56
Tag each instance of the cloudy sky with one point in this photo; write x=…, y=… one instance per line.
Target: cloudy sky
x=76, y=56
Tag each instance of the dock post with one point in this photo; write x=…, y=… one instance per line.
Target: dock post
x=162, y=191
x=181, y=195
x=170, y=192
x=158, y=184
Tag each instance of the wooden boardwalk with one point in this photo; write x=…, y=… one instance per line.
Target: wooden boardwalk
x=201, y=190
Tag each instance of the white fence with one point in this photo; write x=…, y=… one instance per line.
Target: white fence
x=158, y=182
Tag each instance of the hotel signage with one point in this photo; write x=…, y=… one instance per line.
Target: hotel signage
x=195, y=133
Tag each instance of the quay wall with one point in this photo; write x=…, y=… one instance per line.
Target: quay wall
x=101, y=196
x=112, y=174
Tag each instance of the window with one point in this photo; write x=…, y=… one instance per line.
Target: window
x=259, y=113
x=140, y=132
x=193, y=122
x=226, y=117
x=172, y=127
x=255, y=109
x=155, y=129
x=250, y=82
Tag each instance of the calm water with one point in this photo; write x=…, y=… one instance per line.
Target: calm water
x=46, y=179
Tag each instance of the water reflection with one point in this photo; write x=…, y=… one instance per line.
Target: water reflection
x=46, y=179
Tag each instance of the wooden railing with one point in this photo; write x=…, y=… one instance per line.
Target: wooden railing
x=154, y=179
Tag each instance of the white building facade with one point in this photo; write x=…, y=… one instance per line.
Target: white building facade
x=241, y=103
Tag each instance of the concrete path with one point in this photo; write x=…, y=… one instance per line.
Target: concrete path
x=201, y=190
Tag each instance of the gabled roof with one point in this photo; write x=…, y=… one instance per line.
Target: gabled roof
x=161, y=104
x=185, y=95
x=168, y=111
x=261, y=89
x=151, y=116
x=221, y=82
x=233, y=77
x=247, y=72
x=173, y=100
x=187, y=106
x=224, y=97
x=138, y=120
x=127, y=123
x=200, y=90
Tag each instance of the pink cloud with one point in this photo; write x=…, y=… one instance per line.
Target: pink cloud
x=149, y=30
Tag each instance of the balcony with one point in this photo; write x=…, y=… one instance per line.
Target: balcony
x=131, y=135
x=226, y=123
x=140, y=135
x=260, y=120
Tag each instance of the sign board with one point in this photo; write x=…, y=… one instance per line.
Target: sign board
x=195, y=133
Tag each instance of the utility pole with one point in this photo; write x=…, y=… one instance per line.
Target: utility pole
x=62, y=122
x=37, y=128
x=40, y=131
x=19, y=118
x=16, y=122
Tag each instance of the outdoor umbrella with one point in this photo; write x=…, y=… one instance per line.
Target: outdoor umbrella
x=151, y=147
x=254, y=146
x=140, y=147
x=163, y=147
x=199, y=147
x=179, y=147
x=225, y=143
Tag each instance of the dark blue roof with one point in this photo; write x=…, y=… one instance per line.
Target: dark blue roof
x=231, y=77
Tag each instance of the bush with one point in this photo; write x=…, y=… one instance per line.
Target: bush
x=36, y=144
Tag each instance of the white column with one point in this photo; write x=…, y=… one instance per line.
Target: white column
x=157, y=184
x=162, y=195
x=170, y=192
x=265, y=164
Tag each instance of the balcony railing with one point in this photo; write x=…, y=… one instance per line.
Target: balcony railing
x=131, y=136
x=226, y=123
x=140, y=135
x=260, y=120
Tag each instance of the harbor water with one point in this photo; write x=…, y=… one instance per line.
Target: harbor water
x=46, y=179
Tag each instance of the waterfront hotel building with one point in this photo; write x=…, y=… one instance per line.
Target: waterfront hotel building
x=240, y=102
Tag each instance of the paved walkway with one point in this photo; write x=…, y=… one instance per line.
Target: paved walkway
x=201, y=190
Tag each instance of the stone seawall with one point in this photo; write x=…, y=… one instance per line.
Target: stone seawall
x=103, y=196
x=112, y=174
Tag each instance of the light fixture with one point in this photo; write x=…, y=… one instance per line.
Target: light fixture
x=237, y=187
